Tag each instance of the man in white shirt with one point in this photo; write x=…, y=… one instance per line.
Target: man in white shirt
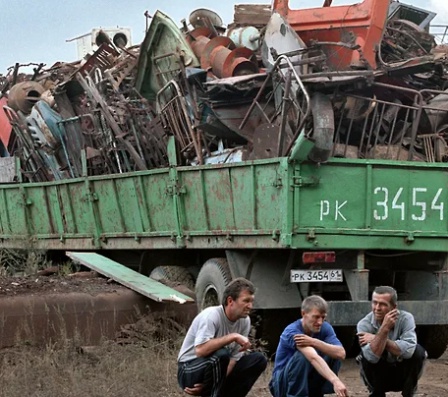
x=213, y=360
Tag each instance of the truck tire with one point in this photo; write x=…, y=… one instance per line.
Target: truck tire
x=212, y=280
x=434, y=338
x=269, y=325
x=177, y=274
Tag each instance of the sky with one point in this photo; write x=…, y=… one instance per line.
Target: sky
x=37, y=31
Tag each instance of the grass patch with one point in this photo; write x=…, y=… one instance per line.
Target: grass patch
x=142, y=361
x=110, y=370
x=13, y=262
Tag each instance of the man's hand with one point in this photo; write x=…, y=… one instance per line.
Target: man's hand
x=390, y=319
x=243, y=342
x=214, y=344
x=302, y=340
x=340, y=389
x=365, y=338
x=196, y=390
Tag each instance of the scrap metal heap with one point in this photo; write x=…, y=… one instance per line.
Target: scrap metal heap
x=363, y=81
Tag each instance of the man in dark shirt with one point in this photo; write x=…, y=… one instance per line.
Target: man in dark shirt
x=308, y=355
x=390, y=359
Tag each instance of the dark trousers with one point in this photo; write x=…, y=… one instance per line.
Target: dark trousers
x=300, y=379
x=211, y=372
x=383, y=376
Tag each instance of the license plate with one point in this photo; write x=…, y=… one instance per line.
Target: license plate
x=316, y=276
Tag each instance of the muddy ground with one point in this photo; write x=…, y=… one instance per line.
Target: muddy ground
x=434, y=382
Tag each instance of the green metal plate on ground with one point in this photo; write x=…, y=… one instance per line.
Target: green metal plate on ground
x=128, y=277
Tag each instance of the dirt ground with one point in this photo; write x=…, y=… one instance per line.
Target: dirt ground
x=49, y=281
x=433, y=383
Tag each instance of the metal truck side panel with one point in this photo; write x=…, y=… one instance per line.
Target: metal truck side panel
x=378, y=197
x=265, y=203
x=231, y=198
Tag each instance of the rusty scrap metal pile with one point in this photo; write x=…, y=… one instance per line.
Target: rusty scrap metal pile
x=373, y=85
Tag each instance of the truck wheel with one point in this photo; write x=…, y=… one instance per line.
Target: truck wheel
x=434, y=338
x=177, y=274
x=211, y=282
x=269, y=325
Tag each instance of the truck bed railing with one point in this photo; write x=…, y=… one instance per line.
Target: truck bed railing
x=393, y=123
x=172, y=106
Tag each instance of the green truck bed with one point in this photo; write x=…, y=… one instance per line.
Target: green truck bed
x=351, y=204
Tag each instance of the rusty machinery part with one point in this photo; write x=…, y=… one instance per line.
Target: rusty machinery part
x=212, y=55
x=245, y=36
x=198, y=40
x=203, y=17
x=23, y=96
x=193, y=36
x=404, y=40
x=221, y=55
x=238, y=62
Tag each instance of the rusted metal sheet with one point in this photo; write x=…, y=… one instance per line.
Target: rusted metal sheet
x=41, y=318
x=252, y=14
x=129, y=278
x=86, y=317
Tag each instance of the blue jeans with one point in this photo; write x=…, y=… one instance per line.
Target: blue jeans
x=300, y=379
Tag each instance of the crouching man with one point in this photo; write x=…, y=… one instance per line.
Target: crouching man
x=390, y=359
x=308, y=356
x=213, y=360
